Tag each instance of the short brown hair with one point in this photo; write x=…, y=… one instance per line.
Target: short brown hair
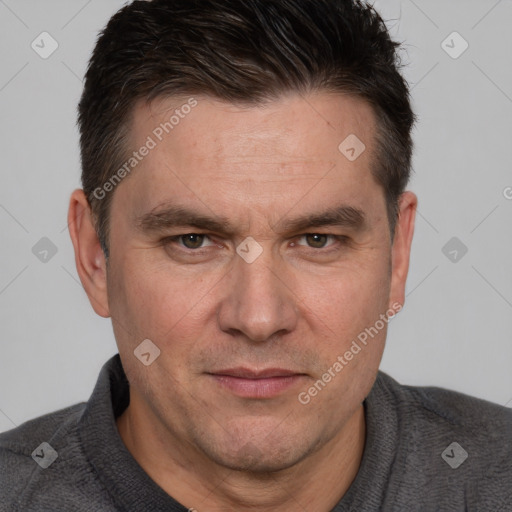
x=241, y=51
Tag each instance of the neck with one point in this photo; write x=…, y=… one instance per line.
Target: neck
x=197, y=482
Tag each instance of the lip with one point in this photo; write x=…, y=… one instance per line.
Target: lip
x=248, y=373
x=249, y=383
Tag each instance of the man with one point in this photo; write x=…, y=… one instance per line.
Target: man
x=245, y=224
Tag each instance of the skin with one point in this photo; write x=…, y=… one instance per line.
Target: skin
x=298, y=306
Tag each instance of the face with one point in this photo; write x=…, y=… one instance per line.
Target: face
x=247, y=327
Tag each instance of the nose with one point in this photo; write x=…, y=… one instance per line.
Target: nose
x=259, y=304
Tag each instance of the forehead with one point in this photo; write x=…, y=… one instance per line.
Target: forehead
x=309, y=125
x=256, y=155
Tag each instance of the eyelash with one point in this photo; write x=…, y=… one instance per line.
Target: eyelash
x=341, y=239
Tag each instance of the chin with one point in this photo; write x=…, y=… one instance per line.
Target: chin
x=260, y=456
x=251, y=460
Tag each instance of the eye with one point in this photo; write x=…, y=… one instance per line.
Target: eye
x=317, y=240
x=190, y=240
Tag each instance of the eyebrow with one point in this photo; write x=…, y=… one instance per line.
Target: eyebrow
x=340, y=216
x=172, y=216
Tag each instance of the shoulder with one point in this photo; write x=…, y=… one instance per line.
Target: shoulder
x=44, y=426
x=454, y=411
x=453, y=442
x=28, y=450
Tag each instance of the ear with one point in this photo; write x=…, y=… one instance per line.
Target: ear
x=401, y=249
x=89, y=258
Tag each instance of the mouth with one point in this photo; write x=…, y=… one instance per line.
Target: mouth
x=249, y=383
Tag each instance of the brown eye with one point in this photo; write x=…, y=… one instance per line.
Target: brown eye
x=192, y=240
x=317, y=241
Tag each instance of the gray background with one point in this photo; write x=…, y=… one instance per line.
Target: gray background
x=455, y=328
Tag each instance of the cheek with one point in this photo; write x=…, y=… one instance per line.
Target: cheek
x=345, y=302
x=161, y=303
x=350, y=336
